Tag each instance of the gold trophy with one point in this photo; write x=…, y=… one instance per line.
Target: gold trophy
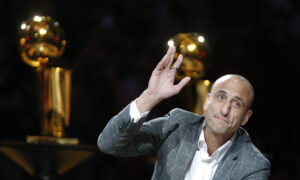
x=195, y=53
x=41, y=44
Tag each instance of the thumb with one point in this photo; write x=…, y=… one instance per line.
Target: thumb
x=182, y=83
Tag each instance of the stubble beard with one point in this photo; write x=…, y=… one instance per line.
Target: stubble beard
x=215, y=128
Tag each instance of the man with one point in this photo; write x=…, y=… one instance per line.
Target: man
x=189, y=146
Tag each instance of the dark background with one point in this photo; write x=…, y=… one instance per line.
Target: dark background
x=113, y=47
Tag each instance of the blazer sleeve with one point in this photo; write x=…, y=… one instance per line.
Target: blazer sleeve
x=259, y=166
x=262, y=174
x=122, y=137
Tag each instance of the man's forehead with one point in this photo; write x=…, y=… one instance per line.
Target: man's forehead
x=235, y=85
x=232, y=85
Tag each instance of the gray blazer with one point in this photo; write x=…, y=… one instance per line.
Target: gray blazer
x=173, y=139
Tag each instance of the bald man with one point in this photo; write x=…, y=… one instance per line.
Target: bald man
x=189, y=146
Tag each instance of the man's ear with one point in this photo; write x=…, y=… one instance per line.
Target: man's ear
x=246, y=117
x=205, y=103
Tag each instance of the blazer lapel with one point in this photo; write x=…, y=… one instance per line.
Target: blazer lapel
x=226, y=166
x=187, y=150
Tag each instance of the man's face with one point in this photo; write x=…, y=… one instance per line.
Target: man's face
x=226, y=108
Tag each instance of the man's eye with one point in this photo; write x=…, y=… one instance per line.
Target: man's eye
x=221, y=97
x=236, y=104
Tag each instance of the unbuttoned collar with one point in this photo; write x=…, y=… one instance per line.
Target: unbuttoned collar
x=218, y=154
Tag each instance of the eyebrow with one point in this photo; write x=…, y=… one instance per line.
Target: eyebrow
x=236, y=97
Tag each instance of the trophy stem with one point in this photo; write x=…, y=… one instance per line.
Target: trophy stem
x=195, y=95
x=55, y=88
x=188, y=97
x=203, y=87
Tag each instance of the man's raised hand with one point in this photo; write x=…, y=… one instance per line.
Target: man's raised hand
x=161, y=84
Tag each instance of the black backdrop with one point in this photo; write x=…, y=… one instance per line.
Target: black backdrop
x=113, y=47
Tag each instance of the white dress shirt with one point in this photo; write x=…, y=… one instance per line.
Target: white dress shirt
x=135, y=113
x=203, y=166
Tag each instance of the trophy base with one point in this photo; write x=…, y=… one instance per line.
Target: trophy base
x=51, y=140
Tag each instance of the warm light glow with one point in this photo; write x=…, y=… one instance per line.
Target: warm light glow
x=41, y=49
x=59, y=134
x=206, y=83
x=37, y=18
x=201, y=39
x=43, y=60
x=43, y=31
x=22, y=41
x=171, y=43
x=63, y=42
x=23, y=26
x=191, y=47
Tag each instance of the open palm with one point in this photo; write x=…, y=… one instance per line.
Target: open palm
x=161, y=84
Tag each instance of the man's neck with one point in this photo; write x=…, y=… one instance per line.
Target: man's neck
x=214, y=141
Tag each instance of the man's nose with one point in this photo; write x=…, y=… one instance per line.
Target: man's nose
x=225, y=108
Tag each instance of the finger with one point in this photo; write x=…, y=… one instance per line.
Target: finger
x=178, y=62
x=165, y=60
x=171, y=53
x=163, y=63
x=170, y=49
x=182, y=83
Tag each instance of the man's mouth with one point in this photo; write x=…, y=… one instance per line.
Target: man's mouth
x=226, y=120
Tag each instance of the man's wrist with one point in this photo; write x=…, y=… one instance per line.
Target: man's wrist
x=146, y=101
x=135, y=114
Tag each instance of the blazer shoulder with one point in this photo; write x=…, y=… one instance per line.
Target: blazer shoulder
x=251, y=151
x=259, y=156
x=179, y=115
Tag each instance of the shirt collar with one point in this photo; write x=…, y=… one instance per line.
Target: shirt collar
x=220, y=152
